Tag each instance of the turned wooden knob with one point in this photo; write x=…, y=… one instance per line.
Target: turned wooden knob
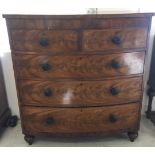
x=46, y=66
x=115, y=64
x=48, y=92
x=44, y=42
x=114, y=91
x=50, y=120
x=113, y=118
x=116, y=40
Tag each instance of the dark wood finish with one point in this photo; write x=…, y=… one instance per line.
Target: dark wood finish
x=80, y=93
x=4, y=108
x=132, y=136
x=82, y=120
x=3, y=98
x=151, y=81
x=87, y=23
x=84, y=16
x=92, y=66
x=103, y=39
x=151, y=87
x=151, y=94
x=62, y=41
x=79, y=74
x=29, y=139
x=45, y=24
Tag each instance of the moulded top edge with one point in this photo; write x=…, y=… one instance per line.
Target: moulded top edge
x=28, y=16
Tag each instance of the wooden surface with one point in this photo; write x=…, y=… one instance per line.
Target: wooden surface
x=87, y=23
x=80, y=93
x=68, y=40
x=102, y=39
x=80, y=120
x=79, y=74
x=58, y=40
x=85, y=66
x=151, y=81
x=3, y=98
x=150, y=113
x=5, y=112
x=84, y=16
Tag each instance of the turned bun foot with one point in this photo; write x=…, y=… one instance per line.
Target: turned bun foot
x=132, y=136
x=11, y=121
x=29, y=139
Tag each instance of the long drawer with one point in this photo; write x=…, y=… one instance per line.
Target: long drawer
x=80, y=93
x=80, y=120
x=69, y=41
x=83, y=66
x=85, y=23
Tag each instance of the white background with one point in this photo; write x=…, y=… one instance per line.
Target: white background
x=62, y=7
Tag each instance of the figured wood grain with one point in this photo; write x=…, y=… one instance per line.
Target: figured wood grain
x=90, y=23
x=58, y=40
x=79, y=93
x=68, y=41
x=87, y=23
x=82, y=66
x=102, y=39
x=80, y=120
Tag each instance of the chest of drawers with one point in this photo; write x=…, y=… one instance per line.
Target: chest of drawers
x=79, y=74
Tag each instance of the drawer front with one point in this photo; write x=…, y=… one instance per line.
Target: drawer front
x=114, y=39
x=49, y=41
x=80, y=120
x=85, y=23
x=94, y=66
x=26, y=24
x=80, y=93
x=44, y=24
x=90, y=23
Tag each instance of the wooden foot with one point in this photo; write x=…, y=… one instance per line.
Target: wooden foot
x=11, y=121
x=132, y=136
x=29, y=139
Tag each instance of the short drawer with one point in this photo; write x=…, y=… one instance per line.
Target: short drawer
x=111, y=39
x=83, y=66
x=110, y=23
x=80, y=120
x=44, y=24
x=80, y=93
x=50, y=41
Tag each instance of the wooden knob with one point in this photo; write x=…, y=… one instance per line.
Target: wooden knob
x=50, y=120
x=113, y=118
x=44, y=42
x=115, y=64
x=116, y=40
x=114, y=91
x=48, y=92
x=46, y=67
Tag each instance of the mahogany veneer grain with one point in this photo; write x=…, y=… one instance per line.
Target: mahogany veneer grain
x=79, y=74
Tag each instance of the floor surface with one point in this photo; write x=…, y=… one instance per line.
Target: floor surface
x=13, y=137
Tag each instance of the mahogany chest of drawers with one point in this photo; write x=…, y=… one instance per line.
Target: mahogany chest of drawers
x=79, y=74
